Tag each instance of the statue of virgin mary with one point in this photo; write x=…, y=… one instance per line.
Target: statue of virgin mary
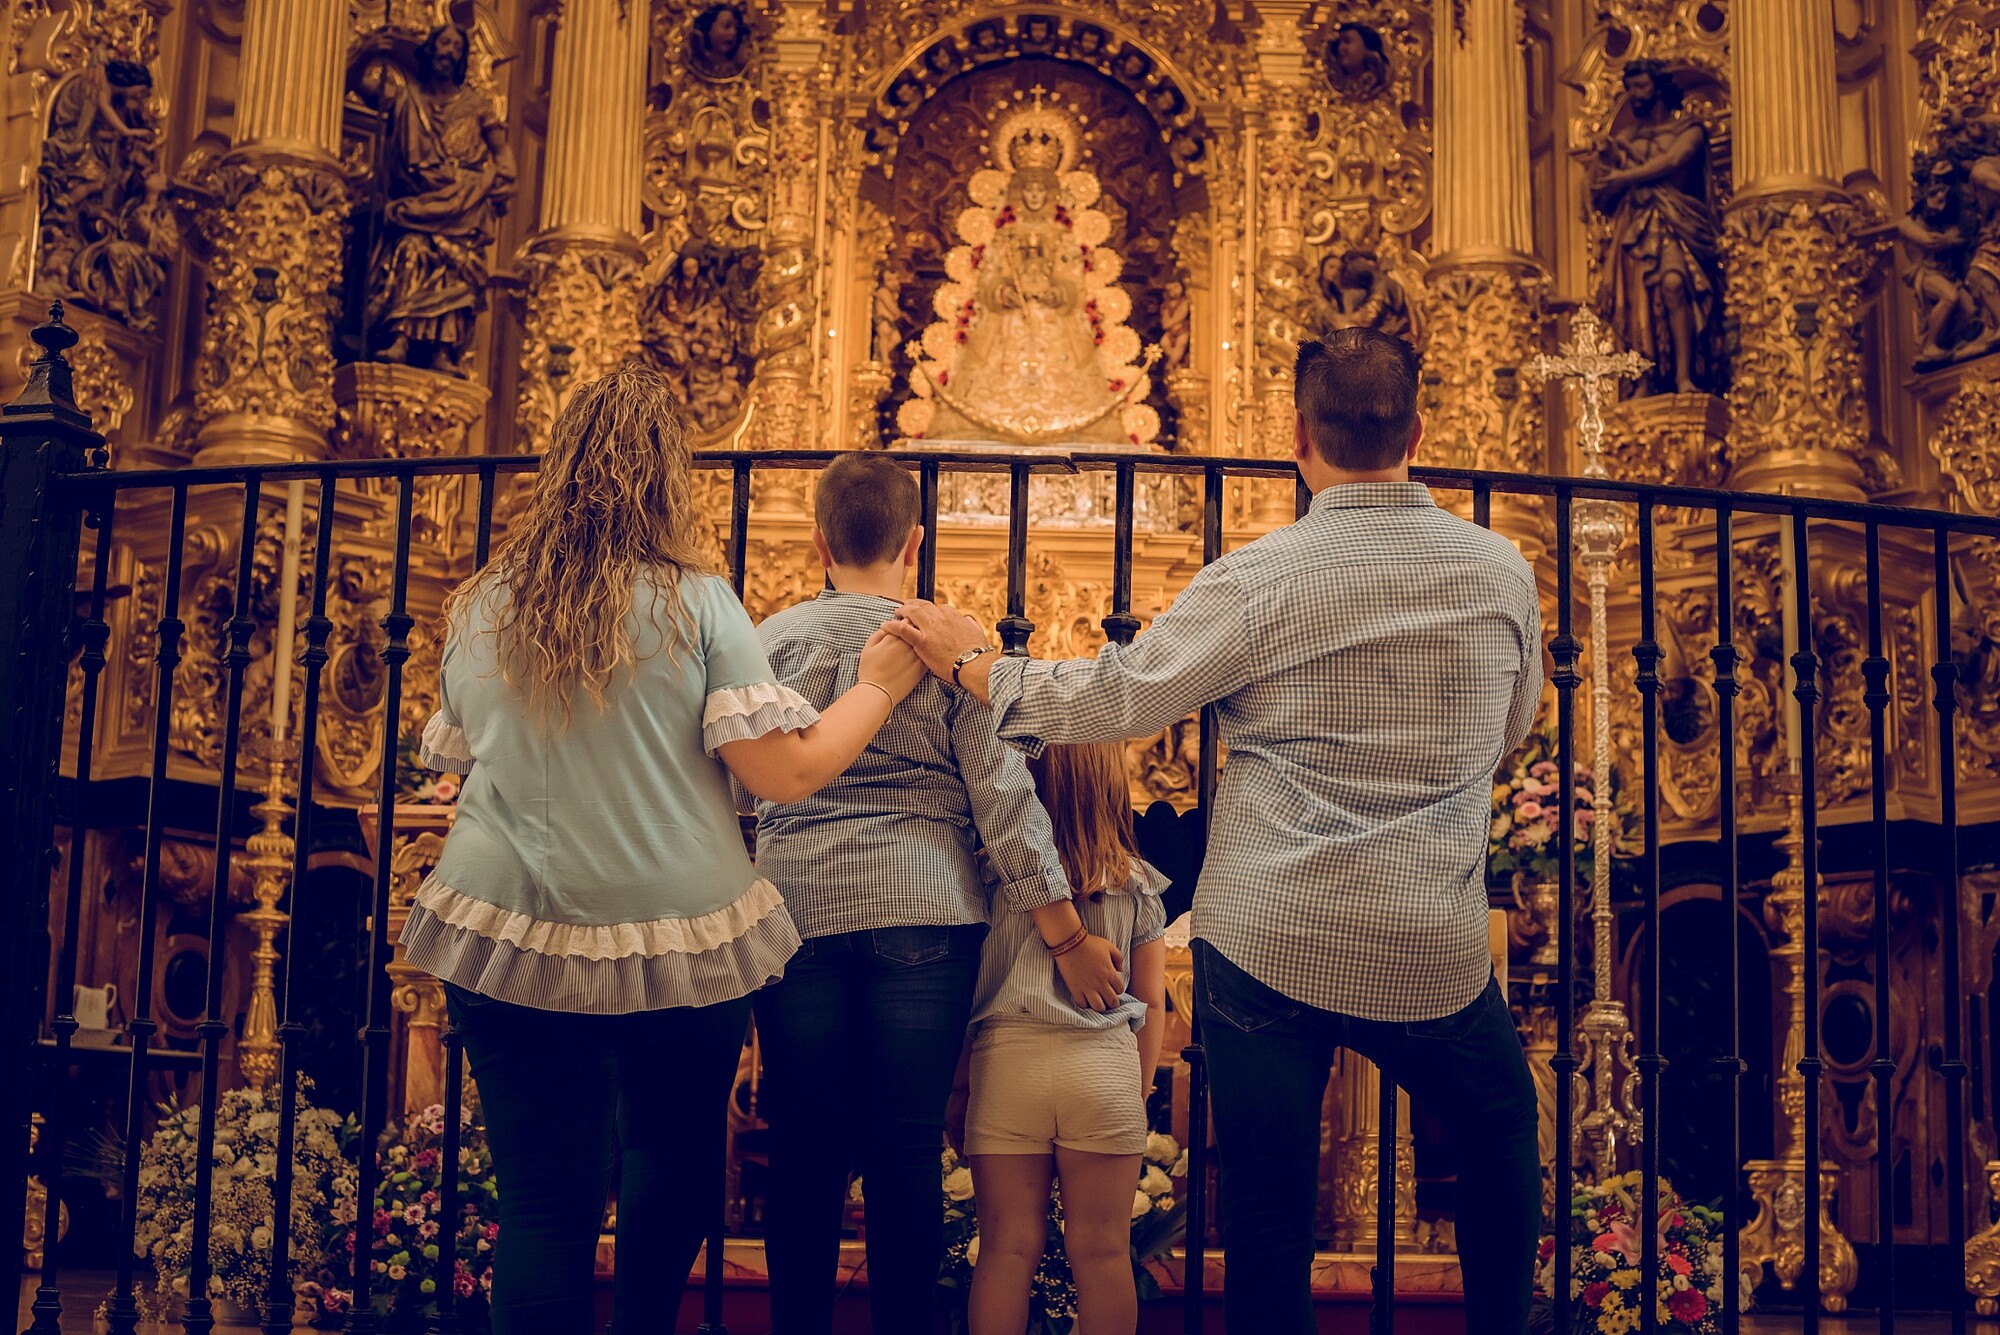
x=1031, y=346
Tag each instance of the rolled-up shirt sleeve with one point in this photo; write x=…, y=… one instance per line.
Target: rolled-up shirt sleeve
x=1196, y=652
x=1010, y=818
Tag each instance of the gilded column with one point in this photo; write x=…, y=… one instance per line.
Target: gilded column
x=783, y=395
x=270, y=220
x=1279, y=291
x=1795, y=265
x=1484, y=286
x=583, y=264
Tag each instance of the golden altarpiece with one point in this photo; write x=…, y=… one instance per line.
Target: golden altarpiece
x=340, y=228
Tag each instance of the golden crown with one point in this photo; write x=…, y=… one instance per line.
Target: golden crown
x=1036, y=134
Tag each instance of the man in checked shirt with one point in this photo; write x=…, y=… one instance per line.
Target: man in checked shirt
x=1371, y=665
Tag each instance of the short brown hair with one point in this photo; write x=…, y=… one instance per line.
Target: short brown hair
x=1357, y=391
x=866, y=507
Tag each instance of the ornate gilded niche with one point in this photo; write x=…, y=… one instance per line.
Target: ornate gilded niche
x=1366, y=193
x=931, y=131
x=708, y=140
x=1160, y=101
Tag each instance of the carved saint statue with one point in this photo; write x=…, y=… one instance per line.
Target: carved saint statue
x=105, y=234
x=1354, y=291
x=450, y=174
x=718, y=44
x=1662, y=279
x=1956, y=310
x=1031, y=346
x=1357, y=62
x=696, y=329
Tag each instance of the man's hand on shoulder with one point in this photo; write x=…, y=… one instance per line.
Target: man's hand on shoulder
x=938, y=634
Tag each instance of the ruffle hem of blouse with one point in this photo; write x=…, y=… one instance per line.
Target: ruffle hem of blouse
x=601, y=970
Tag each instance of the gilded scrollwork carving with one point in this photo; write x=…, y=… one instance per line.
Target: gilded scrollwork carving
x=582, y=319
x=1370, y=149
x=1962, y=443
x=273, y=234
x=1795, y=272
x=707, y=144
x=1485, y=325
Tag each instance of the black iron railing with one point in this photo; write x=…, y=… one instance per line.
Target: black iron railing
x=52, y=497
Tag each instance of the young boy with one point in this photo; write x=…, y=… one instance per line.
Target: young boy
x=880, y=872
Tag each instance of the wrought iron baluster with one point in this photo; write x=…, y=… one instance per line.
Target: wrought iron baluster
x=1650, y=1063
x=200, y=1313
x=1302, y=498
x=1875, y=695
x=1121, y=626
x=122, y=1312
x=375, y=1035
x=1015, y=628
x=1564, y=649
x=1211, y=552
x=1194, y=1273
x=482, y=537
x=739, y=523
x=1482, y=504
x=94, y=634
x=1805, y=686
x=1731, y=1066
x=927, y=506
x=318, y=627
x=1382, y=1279
x=1950, y=1065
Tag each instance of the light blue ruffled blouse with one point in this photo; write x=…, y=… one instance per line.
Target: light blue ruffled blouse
x=599, y=867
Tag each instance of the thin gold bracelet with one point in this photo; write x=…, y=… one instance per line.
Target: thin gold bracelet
x=863, y=681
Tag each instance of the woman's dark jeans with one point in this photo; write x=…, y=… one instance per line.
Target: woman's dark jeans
x=565, y=1096
x=860, y=1041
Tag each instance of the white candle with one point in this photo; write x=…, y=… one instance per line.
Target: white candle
x=288, y=612
x=1788, y=566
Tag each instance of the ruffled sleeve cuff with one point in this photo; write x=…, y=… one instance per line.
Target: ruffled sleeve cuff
x=743, y=713
x=444, y=748
x=1151, y=925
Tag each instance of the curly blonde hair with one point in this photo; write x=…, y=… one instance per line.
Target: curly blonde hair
x=612, y=503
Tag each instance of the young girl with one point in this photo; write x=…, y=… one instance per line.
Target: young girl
x=596, y=922
x=1058, y=1091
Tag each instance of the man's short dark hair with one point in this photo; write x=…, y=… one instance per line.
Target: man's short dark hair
x=866, y=506
x=1357, y=390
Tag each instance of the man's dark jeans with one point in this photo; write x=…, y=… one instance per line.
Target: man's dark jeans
x=860, y=1042
x=1269, y=1057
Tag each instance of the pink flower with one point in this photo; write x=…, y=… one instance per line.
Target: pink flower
x=413, y=1214
x=491, y=1232
x=1687, y=1306
x=446, y=789
x=1529, y=810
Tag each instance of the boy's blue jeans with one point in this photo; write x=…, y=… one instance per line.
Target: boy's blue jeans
x=1269, y=1057
x=860, y=1041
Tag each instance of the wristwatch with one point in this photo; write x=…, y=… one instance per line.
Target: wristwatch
x=958, y=664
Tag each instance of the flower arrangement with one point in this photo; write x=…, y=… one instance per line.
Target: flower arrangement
x=1605, y=1250
x=245, y=1162
x=1526, y=797
x=418, y=785
x=1159, y=1219
x=410, y=1233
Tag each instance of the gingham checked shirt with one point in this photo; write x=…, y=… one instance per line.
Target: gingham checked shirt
x=1371, y=666
x=893, y=841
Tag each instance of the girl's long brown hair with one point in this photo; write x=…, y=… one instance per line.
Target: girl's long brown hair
x=1090, y=806
x=611, y=503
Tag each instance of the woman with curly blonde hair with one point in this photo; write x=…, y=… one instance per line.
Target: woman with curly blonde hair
x=595, y=919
